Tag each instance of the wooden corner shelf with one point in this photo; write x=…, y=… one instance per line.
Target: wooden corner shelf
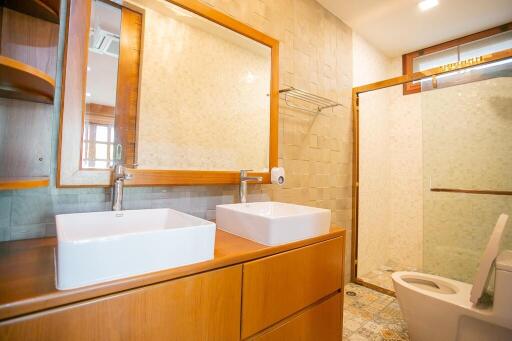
x=23, y=183
x=25, y=82
x=43, y=9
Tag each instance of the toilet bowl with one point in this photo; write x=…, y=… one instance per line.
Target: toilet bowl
x=442, y=309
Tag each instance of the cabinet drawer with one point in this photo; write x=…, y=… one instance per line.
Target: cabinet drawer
x=279, y=286
x=319, y=322
x=199, y=307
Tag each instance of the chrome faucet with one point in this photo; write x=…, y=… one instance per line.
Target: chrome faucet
x=243, y=183
x=120, y=176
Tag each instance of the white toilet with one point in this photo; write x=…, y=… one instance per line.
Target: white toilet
x=441, y=309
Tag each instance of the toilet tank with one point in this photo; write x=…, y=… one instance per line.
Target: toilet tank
x=502, y=304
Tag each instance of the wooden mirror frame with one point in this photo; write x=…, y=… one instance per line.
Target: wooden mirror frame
x=69, y=171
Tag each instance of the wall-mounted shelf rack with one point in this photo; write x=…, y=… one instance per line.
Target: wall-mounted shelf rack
x=306, y=101
x=24, y=82
x=23, y=183
x=29, y=39
x=43, y=9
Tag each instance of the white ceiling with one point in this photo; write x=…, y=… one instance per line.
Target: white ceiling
x=398, y=26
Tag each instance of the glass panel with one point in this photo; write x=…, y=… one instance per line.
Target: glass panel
x=435, y=59
x=101, y=151
x=101, y=84
x=466, y=145
x=456, y=136
x=485, y=46
x=100, y=164
x=112, y=130
x=102, y=133
x=390, y=185
x=500, y=68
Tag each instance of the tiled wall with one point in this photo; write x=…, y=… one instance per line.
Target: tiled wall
x=316, y=55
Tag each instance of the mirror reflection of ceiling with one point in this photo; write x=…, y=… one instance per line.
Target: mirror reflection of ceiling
x=103, y=54
x=177, y=13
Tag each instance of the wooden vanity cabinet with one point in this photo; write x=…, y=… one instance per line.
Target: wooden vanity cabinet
x=200, y=307
x=318, y=322
x=278, y=286
x=292, y=295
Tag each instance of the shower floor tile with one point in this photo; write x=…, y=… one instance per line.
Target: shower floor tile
x=371, y=315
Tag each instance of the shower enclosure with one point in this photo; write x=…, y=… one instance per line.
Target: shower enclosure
x=432, y=170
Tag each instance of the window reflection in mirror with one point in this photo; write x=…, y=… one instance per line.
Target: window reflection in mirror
x=101, y=84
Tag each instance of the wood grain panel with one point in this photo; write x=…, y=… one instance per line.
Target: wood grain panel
x=99, y=114
x=21, y=81
x=30, y=40
x=157, y=177
x=319, y=322
x=23, y=183
x=42, y=9
x=200, y=307
x=471, y=191
x=278, y=286
x=128, y=83
x=25, y=138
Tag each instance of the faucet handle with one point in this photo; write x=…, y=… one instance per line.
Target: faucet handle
x=120, y=171
x=243, y=172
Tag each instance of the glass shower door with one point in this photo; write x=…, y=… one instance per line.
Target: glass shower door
x=467, y=167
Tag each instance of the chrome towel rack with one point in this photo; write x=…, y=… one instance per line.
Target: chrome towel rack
x=318, y=103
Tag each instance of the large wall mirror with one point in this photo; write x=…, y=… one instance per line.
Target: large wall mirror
x=185, y=93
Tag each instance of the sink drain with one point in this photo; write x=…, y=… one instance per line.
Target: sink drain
x=351, y=293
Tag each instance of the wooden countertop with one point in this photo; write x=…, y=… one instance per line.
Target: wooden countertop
x=27, y=271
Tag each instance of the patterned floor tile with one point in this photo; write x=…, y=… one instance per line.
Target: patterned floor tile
x=372, y=316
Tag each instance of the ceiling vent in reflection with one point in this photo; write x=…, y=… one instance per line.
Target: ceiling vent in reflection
x=104, y=42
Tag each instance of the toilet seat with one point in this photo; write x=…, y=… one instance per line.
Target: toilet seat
x=486, y=263
x=449, y=290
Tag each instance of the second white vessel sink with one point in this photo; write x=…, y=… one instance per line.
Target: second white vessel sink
x=102, y=246
x=273, y=223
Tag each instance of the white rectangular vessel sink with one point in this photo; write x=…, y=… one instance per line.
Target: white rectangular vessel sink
x=273, y=223
x=102, y=246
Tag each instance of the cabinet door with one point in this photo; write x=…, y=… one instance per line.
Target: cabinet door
x=319, y=322
x=279, y=286
x=200, y=307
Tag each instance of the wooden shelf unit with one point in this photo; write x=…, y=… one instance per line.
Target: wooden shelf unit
x=23, y=183
x=24, y=82
x=43, y=9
